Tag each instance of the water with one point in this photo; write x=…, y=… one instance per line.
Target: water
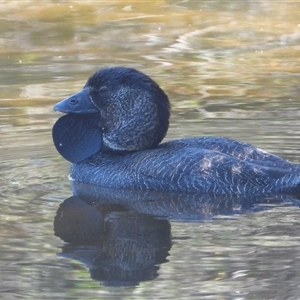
x=230, y=69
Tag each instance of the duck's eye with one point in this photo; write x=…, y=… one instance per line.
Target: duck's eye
x=73, y=101
x=103, y=89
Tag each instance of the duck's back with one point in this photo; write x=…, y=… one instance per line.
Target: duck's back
x=193, y=165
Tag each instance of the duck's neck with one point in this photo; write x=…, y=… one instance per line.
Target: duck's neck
x=137, y=129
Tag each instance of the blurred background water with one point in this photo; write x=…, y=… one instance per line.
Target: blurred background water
x=230, y=68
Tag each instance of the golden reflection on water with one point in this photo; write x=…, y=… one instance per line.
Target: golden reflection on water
x=237, y=44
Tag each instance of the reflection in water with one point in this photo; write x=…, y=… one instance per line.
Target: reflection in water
x=120, y=247
x=122, y=236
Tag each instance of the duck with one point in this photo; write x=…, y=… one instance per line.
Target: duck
x=112, y=132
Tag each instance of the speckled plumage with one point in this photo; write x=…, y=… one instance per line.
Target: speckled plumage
x=193, y=165
x=133, y=119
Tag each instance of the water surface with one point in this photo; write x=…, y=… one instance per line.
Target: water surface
x=230, y=69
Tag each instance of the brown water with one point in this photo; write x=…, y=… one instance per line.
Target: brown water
x=230, y=68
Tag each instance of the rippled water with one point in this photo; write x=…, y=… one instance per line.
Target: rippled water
x=230, y=69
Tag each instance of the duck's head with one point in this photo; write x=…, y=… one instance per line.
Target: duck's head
x=118, y=109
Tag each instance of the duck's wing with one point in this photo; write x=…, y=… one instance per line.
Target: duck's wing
x=206, y=171
x=238, y=150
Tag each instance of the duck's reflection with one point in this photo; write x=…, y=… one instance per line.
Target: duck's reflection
x=123, y=236
x=119, y=246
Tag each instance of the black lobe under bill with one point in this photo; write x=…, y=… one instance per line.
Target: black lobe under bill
x=77, y=136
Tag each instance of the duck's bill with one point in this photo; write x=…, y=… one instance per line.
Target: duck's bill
x=79, y=103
